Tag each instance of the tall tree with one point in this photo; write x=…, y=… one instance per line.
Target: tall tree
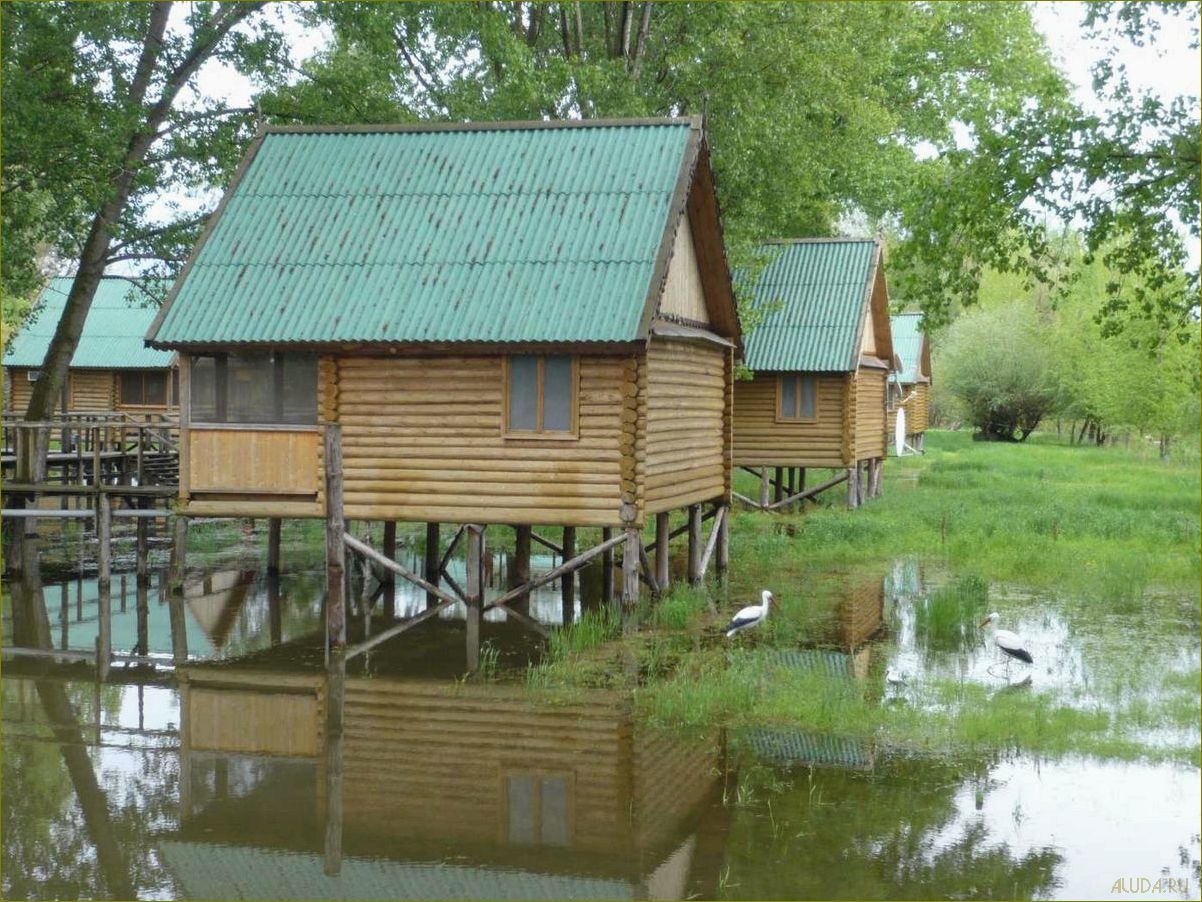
x=101, y=117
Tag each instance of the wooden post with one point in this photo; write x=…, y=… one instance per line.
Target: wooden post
x=274, y=528
x=475, y=594
x=801, y=479
x=179, y=551
x=778, y=487
x=630, y=578
x=723, y=562
x=663, y=532
x=335, y=549
x=520, y=573
x=853, y=487
x=335, y=702
x=104, y=537
x=388, y=579
x=275, y=613
x=567, y=582
x=142, y=606
x=764, y=496
x=142, y=553
x=607, y=568
x=433, y=562
x=696, y=546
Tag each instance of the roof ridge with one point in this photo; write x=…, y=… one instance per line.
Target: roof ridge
x=833, y=239
x=479, y=126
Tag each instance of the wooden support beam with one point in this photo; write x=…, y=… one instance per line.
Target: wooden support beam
x=335, y=699
x=853, y=494
x=723, y=563
x=715, y=533
x=695, y=549
x=810, y=493
x=607, y=566
x=778, y=485
x=104, y=538
x=431, y=565
x=547, y=543
x=764, y=499
x=274, y=528
x=179, y=628
x=383, y=636
x=745, y=500
x=179, y=553
x=388, y=584
x=681, y=530
x=663, y=529
x=336, y=537
x=142, y=550
x=370, y=553
x=631, y=548
x=566, y=567
x=567, y=582
x=520, y=572
x=446, y=556
x=475, y=594
x=647, y=572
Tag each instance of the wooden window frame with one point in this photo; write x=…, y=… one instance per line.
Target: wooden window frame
x=777, y=416
x=221, y=420
x=557, y=435
x=119, y=376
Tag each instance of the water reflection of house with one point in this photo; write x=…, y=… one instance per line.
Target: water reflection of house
x=549, y=800
x=216, y=599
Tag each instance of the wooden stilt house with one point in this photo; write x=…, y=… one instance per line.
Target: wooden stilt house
x=910, y=389
x=112, y=369
x=507, y=323
x=821, y=361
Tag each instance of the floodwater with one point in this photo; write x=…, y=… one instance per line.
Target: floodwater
x=218, y=780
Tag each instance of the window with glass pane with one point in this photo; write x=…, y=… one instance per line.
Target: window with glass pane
x=538, y=809
x=541, y=394
x=796, y=397
x=259, y=389
x=143, y=388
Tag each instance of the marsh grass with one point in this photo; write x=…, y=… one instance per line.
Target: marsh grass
x=947, y=620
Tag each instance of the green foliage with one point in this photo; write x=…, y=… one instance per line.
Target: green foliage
x=948, y=619
x=1001, y=369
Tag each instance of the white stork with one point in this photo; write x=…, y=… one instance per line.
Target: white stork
x=751, y=615
x=894, y=677
x=1010, y=644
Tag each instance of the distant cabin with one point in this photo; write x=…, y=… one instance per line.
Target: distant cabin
x=910, y=388
x=520, y=323
x=821, y=361
x=112, y=369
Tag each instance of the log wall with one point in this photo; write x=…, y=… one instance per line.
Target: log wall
x=93, y=390
x=869, y=428
x=422, y=441
x=759, y=440
x=918, y=410
x=684, y=451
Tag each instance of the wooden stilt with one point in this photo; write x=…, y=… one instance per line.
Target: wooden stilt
x=104, y=537
x=275, y=613
x=778, y=485
x=695, y=545
x=142, y=607
x=765, y=500
x=630, y=578
x=567, y=582
x=388, y=579
x=663, y=528
x=607, y=568
x=433, y=563
x=853, y=480
x=475, y=594
x=179, y=552
x=142, y=553
x=723, y=562
x=335, y=549
x=274, y=528
x=334, y=704
x=520, y=572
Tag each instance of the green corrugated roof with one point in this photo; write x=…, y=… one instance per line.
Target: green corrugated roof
x=211, y=871
x=822, y=286
x=907, y=343
x=112, y=336
x=508, y=233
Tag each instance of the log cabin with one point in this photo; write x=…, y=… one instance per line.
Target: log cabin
x=112, y=369
x=910, y=389
x=571, y=798
x=527, y=323
x=819, y=362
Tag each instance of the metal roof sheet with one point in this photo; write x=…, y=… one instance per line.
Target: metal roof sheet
x=112, y=335
x=500, y=234
x=822, y=288
x=907, y=343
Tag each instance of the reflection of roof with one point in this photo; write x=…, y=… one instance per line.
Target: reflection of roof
x=791, y=746
x=216, y=601
x=823, y=287
x=499, y=232
x=112, y=335
x=907, y=344
x=207, y=871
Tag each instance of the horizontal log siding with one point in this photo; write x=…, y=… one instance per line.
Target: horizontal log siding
x=761, y=441
x=93, y=390
x=20, y=388
x=919, y=411
x=685, y=446
x=421, y=441
x=870, y=413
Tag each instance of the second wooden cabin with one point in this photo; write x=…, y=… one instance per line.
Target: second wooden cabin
x=910, y=389
x=511, y=323
x=820, y=360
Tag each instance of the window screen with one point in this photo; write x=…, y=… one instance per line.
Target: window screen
x=557, y=394
x=523, y=393
x=797, y=397
x=260, y=389
x=541, y=394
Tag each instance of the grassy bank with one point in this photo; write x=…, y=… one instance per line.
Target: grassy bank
x=1101, y=542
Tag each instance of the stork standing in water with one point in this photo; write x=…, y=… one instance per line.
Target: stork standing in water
x=1010, y=644
x=752, y=615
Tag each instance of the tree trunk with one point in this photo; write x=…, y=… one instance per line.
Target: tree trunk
x=640, y=46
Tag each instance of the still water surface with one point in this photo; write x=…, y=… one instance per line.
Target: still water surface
x=218, y=781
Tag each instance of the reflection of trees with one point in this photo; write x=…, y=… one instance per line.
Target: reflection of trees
x=844, y=834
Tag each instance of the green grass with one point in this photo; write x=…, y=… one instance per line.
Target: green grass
x=946, y=620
